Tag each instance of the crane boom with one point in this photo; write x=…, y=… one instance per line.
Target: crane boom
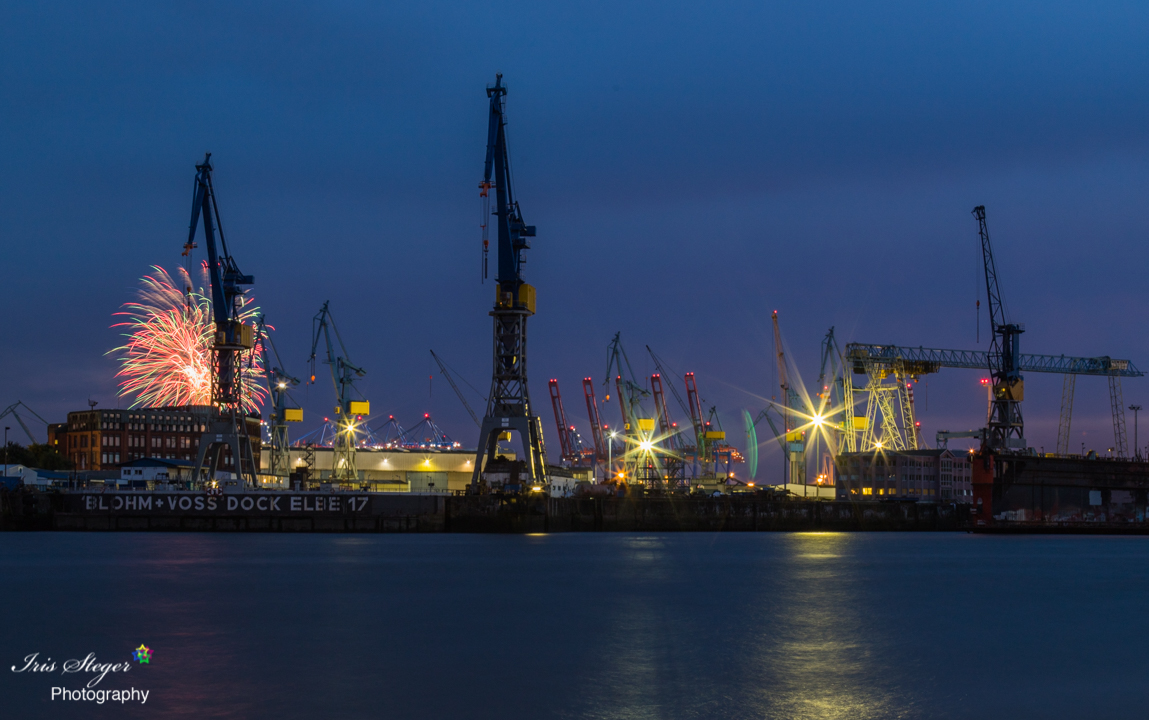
x=451, y=380
x=783, y=382
x=566, y=442
x=14, y=412
x=659, y=366
x=929, y=360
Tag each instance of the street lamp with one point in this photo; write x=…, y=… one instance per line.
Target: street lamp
x=6, y=429
x=1136, y=447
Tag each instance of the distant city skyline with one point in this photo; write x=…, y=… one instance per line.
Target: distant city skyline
x=690, y=169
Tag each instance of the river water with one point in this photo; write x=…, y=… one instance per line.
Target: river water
x=581, y=625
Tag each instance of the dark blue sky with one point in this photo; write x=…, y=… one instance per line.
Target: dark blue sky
x=690, y=168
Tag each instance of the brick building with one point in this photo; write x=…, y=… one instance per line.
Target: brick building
x=99, y=439
x=922, y=475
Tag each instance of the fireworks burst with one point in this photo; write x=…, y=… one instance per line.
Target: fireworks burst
x=167, y=359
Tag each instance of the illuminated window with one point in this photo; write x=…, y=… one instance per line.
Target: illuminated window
x=867, y=491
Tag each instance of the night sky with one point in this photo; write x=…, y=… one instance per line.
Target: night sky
x=690, y=168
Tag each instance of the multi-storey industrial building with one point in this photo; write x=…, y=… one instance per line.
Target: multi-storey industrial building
x=923, y=475
x=100, y=439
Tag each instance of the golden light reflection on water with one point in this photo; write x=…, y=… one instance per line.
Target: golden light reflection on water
x=769, y=627
x=817, y=661
x=634, y=671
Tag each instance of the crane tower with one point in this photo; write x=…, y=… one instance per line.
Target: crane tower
x=228, y=429
x=509, y=405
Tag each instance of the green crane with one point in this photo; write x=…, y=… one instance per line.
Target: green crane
x=348, y=411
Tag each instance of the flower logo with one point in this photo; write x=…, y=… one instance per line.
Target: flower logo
x=142, y=654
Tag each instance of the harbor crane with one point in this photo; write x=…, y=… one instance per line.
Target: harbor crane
x=14, y=411
x=1006, y=428
x=791, y=438
x=638, y=430
x=228, y=428
x=566, y=441
x=675, y=443
x=509, y=406
x=668, y=438
x=573, y=452
x=630, y=393
x=349, y=410
x=601, y=455
x=279, y=384
x=792, y=407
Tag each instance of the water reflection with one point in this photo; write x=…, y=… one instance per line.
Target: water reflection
x=816, y=660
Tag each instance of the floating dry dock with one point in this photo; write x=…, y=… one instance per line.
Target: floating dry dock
x=386, y=512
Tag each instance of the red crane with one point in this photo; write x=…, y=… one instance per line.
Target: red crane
x=565, y=441
x=701, y=424
x=665, y=427
x=595, y=423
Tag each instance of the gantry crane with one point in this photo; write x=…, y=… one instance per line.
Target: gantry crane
x=279, y=384
x=349, y=410
x=509, y=405
x=906, y=361
x=228, y=428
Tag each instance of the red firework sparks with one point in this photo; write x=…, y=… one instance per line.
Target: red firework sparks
x=167, y=360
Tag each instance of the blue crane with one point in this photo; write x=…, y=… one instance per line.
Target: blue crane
x=230, y=428
x=508, y=405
